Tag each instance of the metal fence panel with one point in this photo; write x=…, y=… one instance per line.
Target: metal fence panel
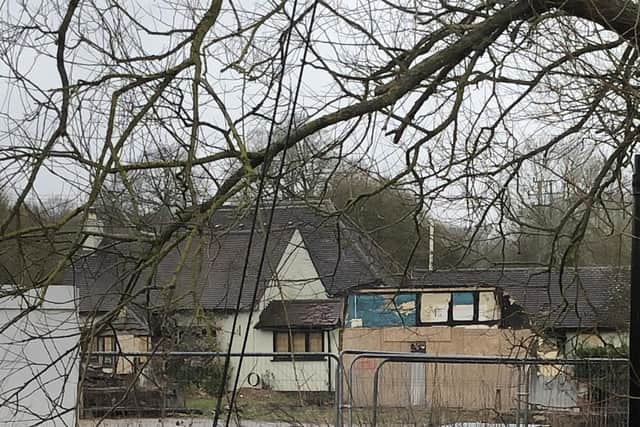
x=376, y=389
x=465, y=391
x=181, y=388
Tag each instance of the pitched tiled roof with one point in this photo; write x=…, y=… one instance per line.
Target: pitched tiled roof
x=343, y=255
x=103, y=277
x=129, y=320
x=211, y=272
x=300, y=314
x=587, y=297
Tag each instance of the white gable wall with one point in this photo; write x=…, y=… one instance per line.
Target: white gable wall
x=296, y=278
x=39, y=359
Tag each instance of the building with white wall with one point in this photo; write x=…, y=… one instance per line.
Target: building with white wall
x=39, y=353
x=323, y=286
x=294, y=314
x=289, y=301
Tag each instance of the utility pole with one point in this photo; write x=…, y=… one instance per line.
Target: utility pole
x=634, y=325
x=432, y=230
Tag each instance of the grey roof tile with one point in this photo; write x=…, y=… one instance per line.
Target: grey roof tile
x=211, y=270
x=581, y=298
x=301, y=314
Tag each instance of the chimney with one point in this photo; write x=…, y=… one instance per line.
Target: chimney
x=92, y=228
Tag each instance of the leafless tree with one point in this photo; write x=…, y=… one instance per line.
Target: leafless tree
x=445, y=98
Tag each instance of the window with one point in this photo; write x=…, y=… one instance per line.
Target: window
x=488, y=308
x=104, y=343
x=434, y=307
x=458, y=307
x=298, y=342
x=463, y=306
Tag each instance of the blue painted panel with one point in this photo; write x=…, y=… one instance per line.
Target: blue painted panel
x=378, y=310
x=463, y=298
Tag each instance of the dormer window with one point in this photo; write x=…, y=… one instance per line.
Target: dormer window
x=457, y=307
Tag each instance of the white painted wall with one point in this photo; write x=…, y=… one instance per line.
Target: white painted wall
x=279, y=375
x=297, y=278
x=39, y=359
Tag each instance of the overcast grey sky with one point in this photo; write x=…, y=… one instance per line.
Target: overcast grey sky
x=31, y=55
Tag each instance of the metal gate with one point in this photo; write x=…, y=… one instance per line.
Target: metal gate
x=460, y=391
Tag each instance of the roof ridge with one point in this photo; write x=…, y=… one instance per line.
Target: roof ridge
x=307, y=300
x=363, y=234
x=282, y=204
x=536, y=269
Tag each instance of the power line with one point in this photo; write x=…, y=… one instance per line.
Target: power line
x=225, y=371
x=273, y=203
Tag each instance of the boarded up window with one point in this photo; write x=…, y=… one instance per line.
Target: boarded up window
x=281, y=342
x=434, y=307
x=299, y=340
x=315, y=342
x=463, y=306
x=458, y=307
x=487, y=307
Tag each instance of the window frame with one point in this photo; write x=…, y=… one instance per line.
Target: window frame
x=450, y=320
x=104, y=361
x=476, y=308
x=299, y=356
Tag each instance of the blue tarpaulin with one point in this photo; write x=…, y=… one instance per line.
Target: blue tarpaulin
x=377, y=310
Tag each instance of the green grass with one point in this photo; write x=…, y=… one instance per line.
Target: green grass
x=205, y=404
x=293, y=407
x=318, y=409
x=266, y=405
